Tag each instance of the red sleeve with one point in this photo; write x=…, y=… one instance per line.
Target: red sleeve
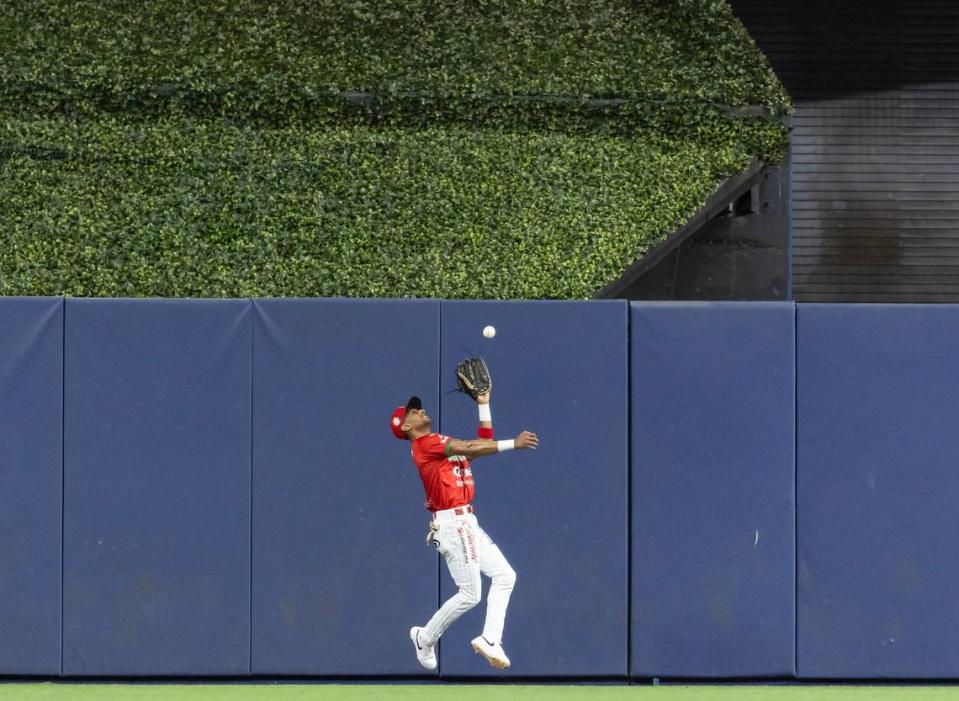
x=483, y=432
x=434, y=446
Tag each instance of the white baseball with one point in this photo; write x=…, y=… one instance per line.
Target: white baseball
x=489, y=332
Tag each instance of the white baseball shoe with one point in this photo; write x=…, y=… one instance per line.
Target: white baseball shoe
x=425, y=654
x=493, y=652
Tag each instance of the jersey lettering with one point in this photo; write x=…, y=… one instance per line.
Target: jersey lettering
x=447, y=480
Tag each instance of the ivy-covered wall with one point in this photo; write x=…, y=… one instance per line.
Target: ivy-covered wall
x=501, y=149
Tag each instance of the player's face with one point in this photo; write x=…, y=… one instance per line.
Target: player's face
x=417, y=419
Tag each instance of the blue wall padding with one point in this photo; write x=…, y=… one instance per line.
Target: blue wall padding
x=340, y=569
x=559, y=513
x=878, y=489
x=157, y=487
x=713, y=490
x=31, y=414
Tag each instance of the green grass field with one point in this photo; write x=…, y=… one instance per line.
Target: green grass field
x=338, y=692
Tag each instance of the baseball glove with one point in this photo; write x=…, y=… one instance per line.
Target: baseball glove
x=472, y=377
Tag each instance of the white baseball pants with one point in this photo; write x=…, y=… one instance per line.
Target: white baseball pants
x=470, y=552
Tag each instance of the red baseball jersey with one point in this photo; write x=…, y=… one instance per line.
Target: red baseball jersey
x=447, y=479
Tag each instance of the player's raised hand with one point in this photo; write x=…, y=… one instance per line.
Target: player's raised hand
x=483, y=398
x=526, y=439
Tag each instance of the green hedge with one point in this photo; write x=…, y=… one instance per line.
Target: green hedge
x=363, y=148
x=247, y=55
x=194, y=208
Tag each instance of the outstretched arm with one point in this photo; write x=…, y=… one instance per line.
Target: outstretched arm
x=485, y=428
x=479, y=447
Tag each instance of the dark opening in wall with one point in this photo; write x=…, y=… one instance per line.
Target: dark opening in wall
x=736, y=249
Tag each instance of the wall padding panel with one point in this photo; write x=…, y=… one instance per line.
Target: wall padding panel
x=31, y=460
x=878, y=491
x=713, y=575
x=559, y=513
x=340, y=569
x=157, y=487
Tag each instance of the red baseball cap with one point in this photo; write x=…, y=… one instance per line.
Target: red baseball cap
x=396, y=420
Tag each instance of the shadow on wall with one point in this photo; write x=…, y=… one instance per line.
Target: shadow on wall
x=848, y=200
x=875, y=144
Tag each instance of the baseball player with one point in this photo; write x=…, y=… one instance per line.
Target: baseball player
x=444, y=466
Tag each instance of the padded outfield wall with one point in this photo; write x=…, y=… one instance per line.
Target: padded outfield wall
x=207, y=488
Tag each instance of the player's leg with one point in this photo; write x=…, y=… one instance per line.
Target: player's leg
x=493, y=564
x=458, y=545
